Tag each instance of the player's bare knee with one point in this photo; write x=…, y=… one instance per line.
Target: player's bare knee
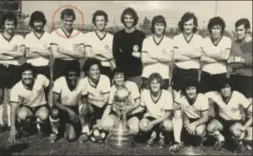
x=211, y=127
x=167, y=125
x=109, y=122
x=23, y=115
x=84, y=111
x=143, y=125
x=70, y=137
x=42, y=114
x=235, y=131
x=201, y=130
x=54, y=113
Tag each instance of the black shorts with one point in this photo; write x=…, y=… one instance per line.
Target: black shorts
x=226, y=124
x=44, y=70
x=242, y=84
x=96, y=114
x=9, y=76
x=209, y=82
x=179, y=76
x=165, y=85
x=60, y=67
x=107, y=71
x=35, y=109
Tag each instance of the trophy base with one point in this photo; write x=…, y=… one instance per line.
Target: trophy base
x=118, y=140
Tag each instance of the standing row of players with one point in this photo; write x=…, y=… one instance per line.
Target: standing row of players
x=137, y=57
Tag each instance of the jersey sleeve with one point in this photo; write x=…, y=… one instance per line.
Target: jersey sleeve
x=169, y=101
x=44, y=80
x=106, y=86
x=145, y=46
x=245, y=103
x=135, y=91
x=14, y=95
x=57, y=86
x=143, y=96
x=20, y=41
x=54, y=39
x=204, y=103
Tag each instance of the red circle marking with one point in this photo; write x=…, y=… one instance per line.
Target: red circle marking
x=72, y=7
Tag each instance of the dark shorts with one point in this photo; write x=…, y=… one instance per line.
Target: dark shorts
x=165, y=85
x=179, y=76
x=96, y=113
x=44, y=70
x=226, y=124
x=35, y=109
x=9, y=76
x=60, y=67
x=243, y=84
x=107, y=71
x=209, y=82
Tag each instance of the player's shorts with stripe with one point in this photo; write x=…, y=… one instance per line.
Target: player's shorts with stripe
x=179, y=76
x=9, y=75
x=242, y=84
x=60, y=67
x=209, y=82
x=44, y=70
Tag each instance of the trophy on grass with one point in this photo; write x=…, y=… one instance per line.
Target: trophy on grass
x=120, y=135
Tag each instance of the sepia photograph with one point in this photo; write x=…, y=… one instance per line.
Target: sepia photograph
x=125, y=77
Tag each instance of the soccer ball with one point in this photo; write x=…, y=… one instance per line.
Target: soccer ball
x=98, y=135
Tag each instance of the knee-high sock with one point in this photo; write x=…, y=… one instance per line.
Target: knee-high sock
x=177, y=129
x=1, y=114
x=55, y=125
x=9, y=115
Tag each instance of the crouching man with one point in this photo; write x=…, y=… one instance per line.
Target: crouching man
x=109, y=118
x=194, y=107
x=65, y=113
x=28, y=100
x=230, y=122
x=156, y=103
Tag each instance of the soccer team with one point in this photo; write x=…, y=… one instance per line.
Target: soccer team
x=187, y=86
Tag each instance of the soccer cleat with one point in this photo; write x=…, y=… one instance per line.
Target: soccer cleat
x=239, y=148
x=53, y=137
x=218, y=145
x=161, y=142
x=175, y=148
x=83, y=138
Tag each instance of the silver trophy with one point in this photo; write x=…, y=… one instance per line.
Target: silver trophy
x=120, y=135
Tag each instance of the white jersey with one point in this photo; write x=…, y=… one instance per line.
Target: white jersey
x=101, y=88
x=184, y=46
x=233, y=107
x=156, y=109
x=5, y=44
x=210, y=48
x=152, y=48
x=42, y=42
x=32, y=98
x=193, y=111
x=67, y=42
x=68, y=97
x=132, y=89
x=99, y=45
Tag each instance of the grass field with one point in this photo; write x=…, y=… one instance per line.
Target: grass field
x=34, y=145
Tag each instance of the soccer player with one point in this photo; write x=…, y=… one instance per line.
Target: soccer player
x=187, y=51
x=109, y=117
x=98, y=43
x=38, y=44
x=216, y=50
x=65, y=113
x=231, y=122
x=157, y=52
x=11, y=57
x=194, y=106
x=28, y=100
x=67, y=44
x=156, y=103
x=95, y=97
x=241, y=59
x=125, y=43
